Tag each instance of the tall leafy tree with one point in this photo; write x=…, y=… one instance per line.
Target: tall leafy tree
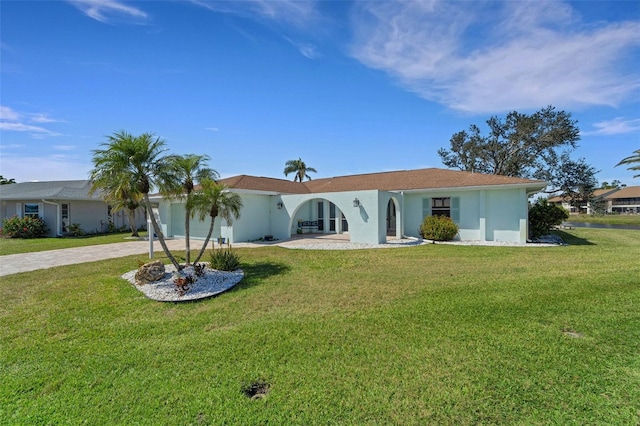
x=141, y=161
x=520, y=145
x=190, y=170
x=634, y=162
x=576, y=181
x=213, y=199
x=299, y=168
x=527, y=146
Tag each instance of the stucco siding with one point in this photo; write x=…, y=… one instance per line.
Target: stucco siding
x=254, y=221
x=485, y=215
x=91, y=215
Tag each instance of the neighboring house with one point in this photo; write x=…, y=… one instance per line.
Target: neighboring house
x=625, y=201
x=585, y=207
x=370, y=207
x=62, y=203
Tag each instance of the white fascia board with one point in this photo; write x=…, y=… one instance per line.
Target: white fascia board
x=530, y=188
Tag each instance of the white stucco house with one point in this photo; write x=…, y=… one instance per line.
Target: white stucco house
x=62, y=203
x=369, y=207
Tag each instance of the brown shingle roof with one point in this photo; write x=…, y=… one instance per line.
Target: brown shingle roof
x=628, y=192
x=403, y=180
x=256, y=183
x=597, y=193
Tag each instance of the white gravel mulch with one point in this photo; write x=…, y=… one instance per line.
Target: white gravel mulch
x=213, y=282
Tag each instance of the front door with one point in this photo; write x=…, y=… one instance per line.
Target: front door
x=391, y=218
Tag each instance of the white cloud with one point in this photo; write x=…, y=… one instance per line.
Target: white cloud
x=21, y=127
x=617, y=126
x=479, y=57
x=42, y=118
x=293, y=12
x=13, y=121
x=306, y=49
x=64, y=147
x=213, y=129
x=107, y=11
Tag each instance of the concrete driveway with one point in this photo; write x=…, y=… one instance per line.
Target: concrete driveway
x=24, y=262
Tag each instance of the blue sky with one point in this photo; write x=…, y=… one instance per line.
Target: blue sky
x=349, y=87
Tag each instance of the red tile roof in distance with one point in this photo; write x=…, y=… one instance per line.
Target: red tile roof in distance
x=403, y=180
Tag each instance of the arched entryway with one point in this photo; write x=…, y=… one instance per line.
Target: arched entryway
x=319, y=216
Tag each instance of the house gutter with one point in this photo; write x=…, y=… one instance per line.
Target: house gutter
x=58, y=213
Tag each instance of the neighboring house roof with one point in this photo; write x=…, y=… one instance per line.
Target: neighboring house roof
x=51, y=190
x=403, y=180
x=627, y=192
x=598, y=193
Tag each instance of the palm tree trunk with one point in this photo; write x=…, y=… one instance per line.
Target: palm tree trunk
x=131, y=217
x=187, y=243
x=206, y=241
x=158, y=232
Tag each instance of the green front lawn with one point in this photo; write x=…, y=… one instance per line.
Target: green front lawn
x=611, y=219
x=436, y=334
x=17, y=245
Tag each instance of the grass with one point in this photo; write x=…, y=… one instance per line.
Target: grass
x=610, y=219
x=16, y=245
x=436, y=334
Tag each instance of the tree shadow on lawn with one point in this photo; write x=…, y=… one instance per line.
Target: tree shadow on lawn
x=255, y=273
x=572, y=240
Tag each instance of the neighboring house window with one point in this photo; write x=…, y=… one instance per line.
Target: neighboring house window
x=442, y=206
x=32, y=210
x=65, y=216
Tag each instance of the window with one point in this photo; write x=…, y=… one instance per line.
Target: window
x=332, y=217
x=31, y=210
x=320, y=216
x=442, y=206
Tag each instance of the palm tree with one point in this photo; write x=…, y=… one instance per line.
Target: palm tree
x=213, y=199
x=5, y=181
x=190, y=169
x=140, y=161
x=299, y=168
x=632, y=159
x=120, y=193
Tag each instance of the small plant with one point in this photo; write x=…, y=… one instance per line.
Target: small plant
x=224, y=260
x=183, y=284
x=24, y=227
x=438, y=228
x=74, y=230
x=198, y=269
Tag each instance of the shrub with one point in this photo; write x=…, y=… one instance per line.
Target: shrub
x=24, y=227
x=438, y=228
x=74, y=230
x=544, y=216
x=224, y=260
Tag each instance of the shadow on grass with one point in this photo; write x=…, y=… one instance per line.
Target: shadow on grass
x=255, y=273
x=572, y=239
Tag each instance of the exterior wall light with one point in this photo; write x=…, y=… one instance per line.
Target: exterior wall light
x=356, y=203
x=279, y=205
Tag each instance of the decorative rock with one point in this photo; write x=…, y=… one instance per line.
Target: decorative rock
x=150, y=272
